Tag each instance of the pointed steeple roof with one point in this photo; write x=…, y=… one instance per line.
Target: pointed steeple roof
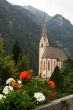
x=44, y=31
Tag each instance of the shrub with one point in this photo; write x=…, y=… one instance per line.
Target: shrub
x=57, y=78
x=18, y=100
x=7, y=69
x=23, y=98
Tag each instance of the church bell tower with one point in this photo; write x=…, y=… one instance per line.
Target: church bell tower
x=42, y=44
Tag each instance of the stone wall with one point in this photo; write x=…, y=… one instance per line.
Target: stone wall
x=65, y=103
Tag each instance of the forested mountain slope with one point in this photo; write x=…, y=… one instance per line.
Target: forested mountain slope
x=23, y=24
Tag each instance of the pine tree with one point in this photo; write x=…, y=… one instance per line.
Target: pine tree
x=7, y=69
x=23, y=64
x=67, y=72
x=17, y=52
x=57, y=78
x=1, y=46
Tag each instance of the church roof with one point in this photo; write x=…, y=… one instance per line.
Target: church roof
x=54, y=53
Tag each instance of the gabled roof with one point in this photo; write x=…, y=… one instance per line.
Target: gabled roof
x=54, y=53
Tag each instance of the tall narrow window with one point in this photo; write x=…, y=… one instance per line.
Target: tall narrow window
x=42, y=45
x=41, y=65
x=44, y=65
x=48, y=65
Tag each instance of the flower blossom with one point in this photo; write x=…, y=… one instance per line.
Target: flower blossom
x=7, y=89
x=52, y=94
x=15, y=85
x=51, y=84
x=1, y=96
x=9, y=80
x=25, y=75
x=39, y=97
x=4, y=97
x=19, y=82
x=10, y=88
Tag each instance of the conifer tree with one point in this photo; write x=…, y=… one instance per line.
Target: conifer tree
x=1, y=46
x=7, y=69
x=57, y=78
x=67, y=72
x=17, y=52
x=23, y=64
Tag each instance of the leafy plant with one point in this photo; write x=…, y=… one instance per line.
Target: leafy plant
x=57, y=77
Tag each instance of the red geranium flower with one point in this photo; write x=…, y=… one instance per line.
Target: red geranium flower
x=25, y=75
x=51, y=84
x=52, y=94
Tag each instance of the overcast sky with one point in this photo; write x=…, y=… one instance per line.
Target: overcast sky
x=52, y=7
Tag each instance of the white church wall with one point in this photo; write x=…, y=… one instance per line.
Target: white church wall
x=61, y=64
x=41, y=51
x=41, y=48
x=53, y=64
x=45, y=72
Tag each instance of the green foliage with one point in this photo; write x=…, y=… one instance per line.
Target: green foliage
x=23, y=64
x=7, y=69
x=67, y=72
x=17, y=52
x=1, y=46
x=24, y=29
x=23, y=99
x=57, y=78
x=17, y=100
x=8, y=66
x=37, y=85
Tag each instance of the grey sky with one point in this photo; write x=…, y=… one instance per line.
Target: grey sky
x=52, y=7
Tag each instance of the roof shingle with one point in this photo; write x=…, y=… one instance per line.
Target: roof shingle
x=54, y=53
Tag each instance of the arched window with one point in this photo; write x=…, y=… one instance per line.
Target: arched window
x=44, y=65
x=48, y=65
x=41, y=65
x=42, y=45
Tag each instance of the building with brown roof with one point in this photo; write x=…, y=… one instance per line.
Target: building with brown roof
x=49, y=57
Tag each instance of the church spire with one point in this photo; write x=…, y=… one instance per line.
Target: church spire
x=44, y=31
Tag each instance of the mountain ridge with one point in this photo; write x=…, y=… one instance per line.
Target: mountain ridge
x=17, y=23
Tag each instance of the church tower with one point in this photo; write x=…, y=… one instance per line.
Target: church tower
x=49, y=57
x=42, y=44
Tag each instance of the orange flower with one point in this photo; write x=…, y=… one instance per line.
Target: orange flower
x=51, y=84
x=30, y=71
x=15, y=85
x=25, y=75
x=52, y=94
x=28, y=76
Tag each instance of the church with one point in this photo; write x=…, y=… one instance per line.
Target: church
x=49, y=57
